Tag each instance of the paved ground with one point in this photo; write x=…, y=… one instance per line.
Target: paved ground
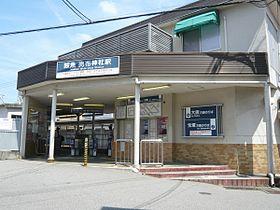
x=38, y=185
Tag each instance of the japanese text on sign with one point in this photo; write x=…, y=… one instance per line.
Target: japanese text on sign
x=83, y=68
x=201, y=121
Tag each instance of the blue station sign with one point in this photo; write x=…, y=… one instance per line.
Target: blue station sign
x=201, y=121
x=86, y=68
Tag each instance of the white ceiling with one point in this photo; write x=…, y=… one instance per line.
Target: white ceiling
x=106, y=92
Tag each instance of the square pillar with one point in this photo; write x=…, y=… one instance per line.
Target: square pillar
x=24, y=118
x=52, y=131
x=137, y=126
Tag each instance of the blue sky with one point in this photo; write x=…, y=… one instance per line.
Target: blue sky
x=21, y=51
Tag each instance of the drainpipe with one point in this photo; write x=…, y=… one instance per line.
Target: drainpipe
x=269, y=134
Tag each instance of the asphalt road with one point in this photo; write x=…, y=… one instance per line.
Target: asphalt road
x=39, y=185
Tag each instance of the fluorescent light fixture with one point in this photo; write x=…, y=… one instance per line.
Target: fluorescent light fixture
x=58, y=109
x=64, y=104
x=81, y=99
x=67, y=116
x=94, y=105
x=124, y=97
x=77, y=108
x=156, y=88
x=58, y=94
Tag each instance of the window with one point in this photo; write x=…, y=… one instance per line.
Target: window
x=205, y=38
x=16, y=116
x=191, y=40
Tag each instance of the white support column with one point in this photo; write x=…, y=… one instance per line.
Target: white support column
x=52, y=131
x=137, y=125
x=269, y=128
x=25, y=105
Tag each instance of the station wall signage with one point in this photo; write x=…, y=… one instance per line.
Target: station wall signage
x=86, y=68
x=152, y=109
x=201, y=121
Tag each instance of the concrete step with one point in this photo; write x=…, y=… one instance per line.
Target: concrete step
x=9, y=155
x=146, y=170
x=229, y=181
x=172, y=174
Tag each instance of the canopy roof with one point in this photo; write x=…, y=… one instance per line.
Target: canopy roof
x=197, y=21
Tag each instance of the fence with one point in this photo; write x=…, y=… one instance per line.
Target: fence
x=10, y=139
x=124, y=151
x=151, y=152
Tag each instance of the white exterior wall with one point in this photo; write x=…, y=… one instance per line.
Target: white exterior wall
x=250, y=119
x=275, y=117
x=167, y=111
x=243, y=115
x=245, y=27
x=272, y=32
x=244, y=31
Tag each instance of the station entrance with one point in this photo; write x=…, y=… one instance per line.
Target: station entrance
x=110, y=121
x=72, y=127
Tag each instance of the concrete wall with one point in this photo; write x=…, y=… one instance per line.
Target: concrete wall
x=218, y=96
x=243, y=146
x=244, y=26
x=243, y=114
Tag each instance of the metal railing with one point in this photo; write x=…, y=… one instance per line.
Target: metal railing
x=151, y=152
x=124, y=151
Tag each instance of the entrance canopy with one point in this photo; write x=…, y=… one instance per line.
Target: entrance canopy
x=94, y=93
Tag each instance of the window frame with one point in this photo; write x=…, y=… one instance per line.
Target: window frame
x=200, y=40
x=219, y=120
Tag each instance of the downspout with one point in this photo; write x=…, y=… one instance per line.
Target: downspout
x=269, y=134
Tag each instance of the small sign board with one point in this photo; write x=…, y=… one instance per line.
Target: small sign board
x=201, y=121
x=152, y=109
x=86, y=68
x=120, y=112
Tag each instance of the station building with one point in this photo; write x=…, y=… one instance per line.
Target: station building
x=204, y=82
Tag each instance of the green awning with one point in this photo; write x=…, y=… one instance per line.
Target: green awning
x=197, y=21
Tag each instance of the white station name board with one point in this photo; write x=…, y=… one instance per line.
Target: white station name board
x=86, y=68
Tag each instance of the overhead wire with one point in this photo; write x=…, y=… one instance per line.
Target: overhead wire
x=129, y=17
x=76, y=11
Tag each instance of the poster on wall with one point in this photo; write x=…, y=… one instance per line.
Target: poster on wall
x=162, y=125
x=85, y=68
x=201, y=121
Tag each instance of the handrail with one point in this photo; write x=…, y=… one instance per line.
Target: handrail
x=123, y=140
x=151, y=152
x=123, y=152
x=151, y=140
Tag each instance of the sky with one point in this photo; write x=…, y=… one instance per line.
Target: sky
x=25, y=50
